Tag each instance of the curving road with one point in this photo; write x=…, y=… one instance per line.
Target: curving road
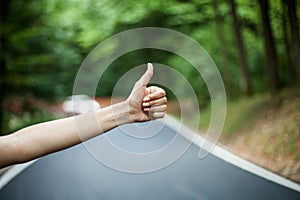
x=75, y=174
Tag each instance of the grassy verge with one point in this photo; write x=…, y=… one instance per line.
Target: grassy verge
x=240, y=113
x=264, y=129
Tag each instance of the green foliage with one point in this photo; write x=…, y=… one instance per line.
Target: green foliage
x=15, y=122
x=24, y=111
x=47, y=41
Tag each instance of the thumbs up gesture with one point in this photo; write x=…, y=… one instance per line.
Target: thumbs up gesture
x=147, y=103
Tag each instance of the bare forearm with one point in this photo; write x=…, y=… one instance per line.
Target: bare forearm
x=41, y=139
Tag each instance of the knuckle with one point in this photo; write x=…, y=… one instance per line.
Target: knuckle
x=151, y=103
x=161, y=115
x=165, y=100
x=165, y=107
x=163, y=92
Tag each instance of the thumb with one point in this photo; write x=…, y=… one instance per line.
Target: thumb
x=144, y=80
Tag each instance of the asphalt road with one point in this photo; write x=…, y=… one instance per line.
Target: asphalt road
x=76, y=175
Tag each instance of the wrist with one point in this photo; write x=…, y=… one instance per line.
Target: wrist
x=121, y=113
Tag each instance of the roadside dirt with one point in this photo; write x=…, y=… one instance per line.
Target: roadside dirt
x=272, y=140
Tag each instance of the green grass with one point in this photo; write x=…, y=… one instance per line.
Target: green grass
x=240, y=113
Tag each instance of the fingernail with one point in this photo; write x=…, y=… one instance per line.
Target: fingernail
x=146, y=104
x=149, y=65
x=146, y=98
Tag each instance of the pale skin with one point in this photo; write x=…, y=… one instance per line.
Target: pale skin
x=143, y=104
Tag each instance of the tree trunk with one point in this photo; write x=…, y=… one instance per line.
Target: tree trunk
x=222, y=46
x=271, y=55
x=246, y=83
x=291, y=4
x=3, y=19
x=291, y=73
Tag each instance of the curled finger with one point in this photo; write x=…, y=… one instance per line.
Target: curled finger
x=160, y=108
x=157, y=115
x=156, y=102
x=155, y=93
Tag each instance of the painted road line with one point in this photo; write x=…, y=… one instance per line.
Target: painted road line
x=13, y=172
x=230, y=157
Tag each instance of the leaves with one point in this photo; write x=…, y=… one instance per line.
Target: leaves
x=50, y=39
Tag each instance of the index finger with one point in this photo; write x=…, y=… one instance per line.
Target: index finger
x=155, y=93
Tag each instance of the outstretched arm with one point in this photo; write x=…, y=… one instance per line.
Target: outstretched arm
x=29, y=143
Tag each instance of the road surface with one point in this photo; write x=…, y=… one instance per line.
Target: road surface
x=76, y=175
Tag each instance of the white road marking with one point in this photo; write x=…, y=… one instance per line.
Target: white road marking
x=13, y=172
x=230, y=157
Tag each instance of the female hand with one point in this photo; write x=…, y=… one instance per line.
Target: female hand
x=147, y=103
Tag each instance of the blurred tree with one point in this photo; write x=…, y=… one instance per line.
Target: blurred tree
x=270, y=51
x=34, y=60
x=42, y=56
x=246, y=81
x=223, y=46
x=293, y=19
x=4, y=8
x=290, y=67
